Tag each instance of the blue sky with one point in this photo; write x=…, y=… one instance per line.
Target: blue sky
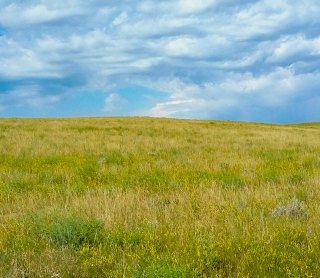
x=247, y=60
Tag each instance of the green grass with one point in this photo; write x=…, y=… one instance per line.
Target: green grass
x=144, y=197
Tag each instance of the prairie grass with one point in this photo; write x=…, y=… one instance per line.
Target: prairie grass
x=144, y=197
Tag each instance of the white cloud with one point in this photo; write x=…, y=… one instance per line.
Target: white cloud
x=114, y=103
x=186, y=46
x=180, y=7
x=296, y=47
x=20, y=62
x=20, y=14
x=237, y=92
x=28, y=95
x=191, y=6
x=211, y=56
x=173, y=108
x=120, y=19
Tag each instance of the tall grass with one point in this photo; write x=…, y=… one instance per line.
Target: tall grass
x=141, y=197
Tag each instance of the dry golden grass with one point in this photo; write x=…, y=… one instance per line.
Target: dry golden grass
x=143, y=197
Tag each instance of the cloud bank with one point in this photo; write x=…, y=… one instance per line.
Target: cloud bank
x=243, y=60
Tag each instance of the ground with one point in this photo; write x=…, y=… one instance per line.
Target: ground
x=146, y=197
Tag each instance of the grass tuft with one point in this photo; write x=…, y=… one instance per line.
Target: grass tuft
x=294, y=208
x=74, y=231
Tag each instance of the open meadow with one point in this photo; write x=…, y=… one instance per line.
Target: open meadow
x=146, y=197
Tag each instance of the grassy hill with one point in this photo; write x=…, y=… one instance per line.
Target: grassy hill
x=144, y=197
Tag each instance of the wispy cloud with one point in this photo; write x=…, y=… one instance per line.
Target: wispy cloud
x=209, y=58
x=25, y=13
x=114, y=103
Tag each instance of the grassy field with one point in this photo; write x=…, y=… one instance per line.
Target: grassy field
x=143, y=197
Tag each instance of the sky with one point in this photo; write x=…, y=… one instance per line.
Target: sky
x=244, y=60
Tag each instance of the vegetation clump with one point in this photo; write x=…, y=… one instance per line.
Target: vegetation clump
x=294, y=208
x=74, y=231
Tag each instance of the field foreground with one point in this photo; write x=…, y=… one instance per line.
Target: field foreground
x=143, y=197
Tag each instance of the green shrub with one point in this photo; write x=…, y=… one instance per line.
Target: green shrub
x=75, y=231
